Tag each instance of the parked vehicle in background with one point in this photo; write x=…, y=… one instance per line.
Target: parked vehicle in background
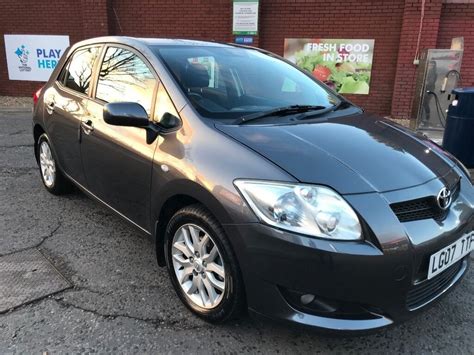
x=262, y=188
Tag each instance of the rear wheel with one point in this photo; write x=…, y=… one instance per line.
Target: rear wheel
x=52, y=178
x=202, y=265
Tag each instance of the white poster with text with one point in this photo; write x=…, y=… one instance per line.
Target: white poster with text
x=33, y=57
x=245, y=17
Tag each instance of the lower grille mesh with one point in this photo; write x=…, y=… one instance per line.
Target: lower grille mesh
x=429, y=289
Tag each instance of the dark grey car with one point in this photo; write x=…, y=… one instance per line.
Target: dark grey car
x=262, y=188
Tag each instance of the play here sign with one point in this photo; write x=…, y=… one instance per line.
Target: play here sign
x=33, y=57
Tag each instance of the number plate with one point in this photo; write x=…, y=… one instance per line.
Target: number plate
x=446, y=257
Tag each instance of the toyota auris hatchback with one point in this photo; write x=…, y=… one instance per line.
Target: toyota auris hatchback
x=262, y=188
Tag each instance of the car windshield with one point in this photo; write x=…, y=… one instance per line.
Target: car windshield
x=231, y=82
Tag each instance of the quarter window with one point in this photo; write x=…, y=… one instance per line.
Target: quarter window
x=77, y=73
x=124, y=77
x=163, y=105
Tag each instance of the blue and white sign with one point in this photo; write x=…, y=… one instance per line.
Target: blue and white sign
x=243, y=40
x=33, y=57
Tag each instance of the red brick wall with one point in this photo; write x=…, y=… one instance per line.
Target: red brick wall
x=392, y=23
x=404, y=83
x=458, y=20
x=196, y=19
x=95, y=20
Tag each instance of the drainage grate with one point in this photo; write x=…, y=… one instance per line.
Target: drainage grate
x=27, y=276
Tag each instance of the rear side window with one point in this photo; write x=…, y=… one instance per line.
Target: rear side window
x=124, y=77
x=77, y=74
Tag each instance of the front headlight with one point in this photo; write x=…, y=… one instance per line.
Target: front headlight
x=307, y=209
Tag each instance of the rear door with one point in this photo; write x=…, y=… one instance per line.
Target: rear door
x=66, y=105
x=117, y=160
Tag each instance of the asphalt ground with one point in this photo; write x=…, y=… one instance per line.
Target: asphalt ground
x=121, y=301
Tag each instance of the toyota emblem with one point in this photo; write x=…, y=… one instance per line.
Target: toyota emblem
x=444, y=198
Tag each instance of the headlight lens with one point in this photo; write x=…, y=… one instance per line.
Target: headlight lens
x=307, y=209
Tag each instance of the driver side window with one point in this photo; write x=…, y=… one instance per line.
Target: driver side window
x=124, y=77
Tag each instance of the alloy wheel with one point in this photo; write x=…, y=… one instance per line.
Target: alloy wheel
x=198, y=266
x=47, y=164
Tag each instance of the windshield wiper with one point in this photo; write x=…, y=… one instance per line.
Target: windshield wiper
x=280, y=111
x=338, y=106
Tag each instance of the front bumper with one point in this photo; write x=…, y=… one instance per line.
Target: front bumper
x=359, y=285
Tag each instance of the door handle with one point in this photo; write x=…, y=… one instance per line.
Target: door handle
x=50, y=107
x=87, y=126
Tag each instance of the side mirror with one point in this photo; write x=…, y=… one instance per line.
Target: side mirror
x=128, y=114
x=169, y=121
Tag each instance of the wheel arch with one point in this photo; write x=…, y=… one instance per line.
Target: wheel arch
x=175, y=196
x=38, y=130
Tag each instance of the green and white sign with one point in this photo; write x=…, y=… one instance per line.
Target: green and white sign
x=345, y=65
x=245, y=17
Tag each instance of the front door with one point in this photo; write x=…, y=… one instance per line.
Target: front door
x=117, y=160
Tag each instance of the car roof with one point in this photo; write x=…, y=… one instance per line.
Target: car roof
x=136, y=41
x=180, y=42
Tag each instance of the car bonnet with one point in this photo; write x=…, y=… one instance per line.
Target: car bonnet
x=352, y=154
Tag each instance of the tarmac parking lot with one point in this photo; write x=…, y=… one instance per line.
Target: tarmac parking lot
x=118, y=300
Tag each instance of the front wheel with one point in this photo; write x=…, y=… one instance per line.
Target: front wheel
x=202, y=265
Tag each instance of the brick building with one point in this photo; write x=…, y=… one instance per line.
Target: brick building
x=394, y=24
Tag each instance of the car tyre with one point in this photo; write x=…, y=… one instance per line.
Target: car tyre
x=53, y=179
x=223, y=273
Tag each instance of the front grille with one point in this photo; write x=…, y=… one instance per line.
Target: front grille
x=427, y=290
x=422, y=208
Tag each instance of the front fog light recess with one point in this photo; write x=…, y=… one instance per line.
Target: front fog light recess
x=307, y=209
